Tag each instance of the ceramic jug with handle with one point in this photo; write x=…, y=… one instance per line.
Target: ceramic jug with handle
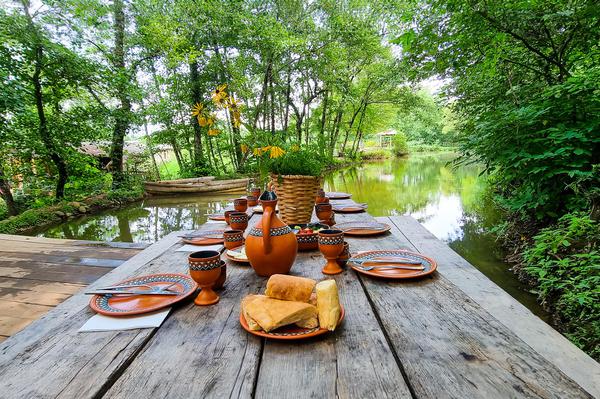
x=271, y=246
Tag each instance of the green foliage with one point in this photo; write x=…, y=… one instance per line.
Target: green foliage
x=374, y=153
x=565, y=261
x=306, y=162
x=400, y=145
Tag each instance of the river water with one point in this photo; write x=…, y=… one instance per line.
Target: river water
x=448, y=201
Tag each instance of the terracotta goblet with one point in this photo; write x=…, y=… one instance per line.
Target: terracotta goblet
x=252, y=200
x=331, y=245
x=324, y=211
x=344, y=256
x=238, y=221
x=255, y=192
x=321, y=198
x=240, y=204
x=205, y=269
x=227, y=215
x=222, y=277
x=233, y=238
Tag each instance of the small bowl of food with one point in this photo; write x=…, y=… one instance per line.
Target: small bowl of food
x=307, y=235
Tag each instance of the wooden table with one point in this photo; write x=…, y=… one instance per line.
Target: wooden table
x=405, y=339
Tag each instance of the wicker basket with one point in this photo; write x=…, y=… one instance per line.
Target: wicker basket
x=296, y=196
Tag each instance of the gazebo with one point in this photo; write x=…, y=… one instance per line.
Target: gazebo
x=385, y=138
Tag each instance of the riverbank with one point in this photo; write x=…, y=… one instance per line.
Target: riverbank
x=36, y=218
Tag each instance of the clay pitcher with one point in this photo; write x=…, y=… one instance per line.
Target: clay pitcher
x=271, y=245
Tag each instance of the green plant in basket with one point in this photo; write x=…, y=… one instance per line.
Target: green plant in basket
x=304, y=162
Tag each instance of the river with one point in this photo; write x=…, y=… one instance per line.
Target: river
x=448, y=201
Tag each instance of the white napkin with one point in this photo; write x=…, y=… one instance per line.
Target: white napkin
x=194, y=248
x=100, y=322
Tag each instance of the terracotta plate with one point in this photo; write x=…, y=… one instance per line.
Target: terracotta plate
x=289, y=332
x=231, y=258
x=429, y=264
x=362, y=228
x=205, y=238
x=337, y=195
x=127, y=305
x=217, y=216
x=349, y=208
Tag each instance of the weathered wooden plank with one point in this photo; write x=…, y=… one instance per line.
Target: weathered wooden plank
x=33, y=297
x=65, y=363
x=22, y=310
x=40, y=286
x=61, y=259
x=536, y=333
x=72, y=250
x=448, y=345
x=10, y=325
x=64, y=241
x=52, y=272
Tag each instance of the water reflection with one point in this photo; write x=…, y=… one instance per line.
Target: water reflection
x=146, y=221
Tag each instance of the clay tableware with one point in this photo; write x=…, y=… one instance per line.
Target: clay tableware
x=338, y=196
x=252, y=200
x=321, y=198
x=391, y=273
x=271, y=245
x=205, y=269
x=209, y=237
x=127, y=305
x=308, y=242
x=255, y=192
x=238, y=221
x=240, y=204
x=233, y=238
x=344, y=256
x=227, y=214
x=360, y=228
x=331, y=245
x=324, y=211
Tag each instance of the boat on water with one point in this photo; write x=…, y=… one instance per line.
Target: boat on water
x=206, y=184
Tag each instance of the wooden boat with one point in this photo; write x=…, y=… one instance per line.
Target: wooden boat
x=206, y=184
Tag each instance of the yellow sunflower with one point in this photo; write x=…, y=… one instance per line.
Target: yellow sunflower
x=213, y=132
x=276, y=152
x=244, y=148
x=197, y=109
x=219, y=95
x=202, y=121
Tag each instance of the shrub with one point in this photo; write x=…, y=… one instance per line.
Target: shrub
x=400, y=146
x=305, y=162
x=565, y=262
x=378, y=153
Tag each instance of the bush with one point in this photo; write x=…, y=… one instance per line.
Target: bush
x=374, y=153
x=565, y=262
x=400, y=146
x=304, y=162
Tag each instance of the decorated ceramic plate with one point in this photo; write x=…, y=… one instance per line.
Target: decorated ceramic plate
x=289, y=332
x=359, y=228
x=127, y=305
x=333, y=195
x=209, y=237
x=217, y=216
x=354, y=208
x=428, y=263
x=233, y=258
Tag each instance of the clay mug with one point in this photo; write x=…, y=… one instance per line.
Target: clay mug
x=324, y=211
x=227, y=214
x=238, y=220
x=331, y=245
x=205, y=269
x=344, y=256
x=233, y=238
x=252, y=200
x=222, y=277
x=321, y=198
x=240, y=204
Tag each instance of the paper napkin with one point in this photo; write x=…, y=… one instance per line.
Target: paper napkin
x=100, y=322
x=194, y=248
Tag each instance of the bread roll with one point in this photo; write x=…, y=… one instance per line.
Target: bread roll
x=328, y=304
x=272, y=313
x=251, y=323
x=290, y=288
x=308, y=323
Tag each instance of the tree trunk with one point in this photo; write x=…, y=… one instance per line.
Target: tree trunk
x=198, y=159
x=323, y=119
x=287, y=101
x=6, y=194
x=124, y=109
x=336, y=131
x=43, y=130
x=358, y=136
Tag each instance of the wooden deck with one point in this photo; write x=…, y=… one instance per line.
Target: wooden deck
x=453, y=334
x=36, y=274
